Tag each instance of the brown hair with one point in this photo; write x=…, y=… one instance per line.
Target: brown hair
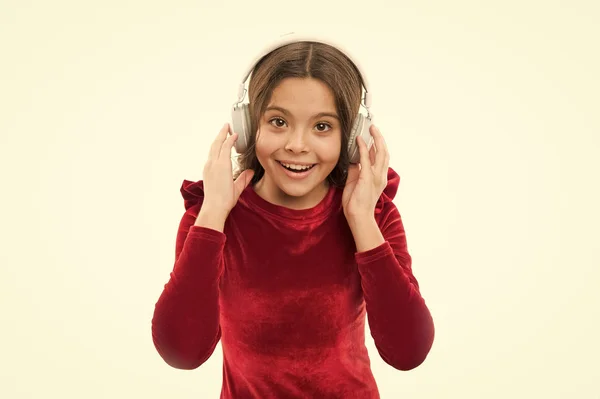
x=304, y=59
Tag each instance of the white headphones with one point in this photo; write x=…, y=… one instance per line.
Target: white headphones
x=240, y=114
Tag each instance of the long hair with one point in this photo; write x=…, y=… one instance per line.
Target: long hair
x=303, y=59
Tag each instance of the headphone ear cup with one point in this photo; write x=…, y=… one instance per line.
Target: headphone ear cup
x=240, y=117
x=361, y=127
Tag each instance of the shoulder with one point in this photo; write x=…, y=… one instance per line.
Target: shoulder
x=385, y=202
x=192, y=193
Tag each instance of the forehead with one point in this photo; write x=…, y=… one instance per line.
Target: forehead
x=303, y=95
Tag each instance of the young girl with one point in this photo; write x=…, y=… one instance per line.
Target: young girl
x=282, y=266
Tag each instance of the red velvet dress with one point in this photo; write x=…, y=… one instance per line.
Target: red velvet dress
x=286, y=293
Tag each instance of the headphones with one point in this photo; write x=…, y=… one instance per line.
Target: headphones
x=240, y=114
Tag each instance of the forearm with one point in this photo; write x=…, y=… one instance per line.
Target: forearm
x=366, y=233
x=400, y=321
x=185, y=325
x=212, y=219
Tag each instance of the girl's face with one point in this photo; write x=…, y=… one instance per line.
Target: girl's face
x=299, y=127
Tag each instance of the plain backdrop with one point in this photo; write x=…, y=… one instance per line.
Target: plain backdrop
x=490, y=111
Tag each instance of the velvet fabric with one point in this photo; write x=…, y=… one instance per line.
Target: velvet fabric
x=286, y=293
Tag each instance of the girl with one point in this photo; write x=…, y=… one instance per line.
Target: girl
x=283, y=262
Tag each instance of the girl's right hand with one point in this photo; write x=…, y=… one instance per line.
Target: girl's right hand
x=221, y=192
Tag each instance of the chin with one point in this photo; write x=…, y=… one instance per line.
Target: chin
x=302, y=187
x=296, y=190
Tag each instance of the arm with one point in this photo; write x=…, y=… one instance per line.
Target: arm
x=185, y=325
x=400, y=322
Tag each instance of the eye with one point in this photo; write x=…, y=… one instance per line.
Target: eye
x=276, y=119
x=323, y=124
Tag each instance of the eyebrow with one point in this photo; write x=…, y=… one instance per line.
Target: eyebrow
x=285, y=111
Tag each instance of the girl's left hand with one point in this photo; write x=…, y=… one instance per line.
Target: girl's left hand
x=365, y=184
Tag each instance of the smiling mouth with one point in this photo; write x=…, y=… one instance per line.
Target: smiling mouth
x=297, y=170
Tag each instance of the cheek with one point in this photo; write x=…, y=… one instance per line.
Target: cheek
x=267, y=143
x=262, y=144
x=329, y=150
x=264, y=148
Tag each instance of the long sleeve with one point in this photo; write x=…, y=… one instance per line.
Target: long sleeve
x=185, y=325
x=400, y=322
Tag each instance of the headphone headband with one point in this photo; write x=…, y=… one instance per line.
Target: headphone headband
x=292, y=37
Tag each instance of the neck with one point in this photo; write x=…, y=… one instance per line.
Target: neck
x=273, y=194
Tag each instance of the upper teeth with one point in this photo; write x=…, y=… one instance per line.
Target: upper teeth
x=297, y=167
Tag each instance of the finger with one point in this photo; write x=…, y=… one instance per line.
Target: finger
x=364, y=154
x=215, y=148
x=242, y=181
x=382, y=157
x=227, y=144
x=372, y=154
x=353, y=174
x=353, y=171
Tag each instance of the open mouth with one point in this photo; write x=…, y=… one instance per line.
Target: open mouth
x=297, y=171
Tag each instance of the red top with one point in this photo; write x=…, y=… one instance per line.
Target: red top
x=286, y=293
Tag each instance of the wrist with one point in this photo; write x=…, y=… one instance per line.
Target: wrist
x=211, y=218
x=366, y=233
x=360, y=218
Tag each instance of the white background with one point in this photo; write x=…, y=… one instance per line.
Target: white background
x=490, y=111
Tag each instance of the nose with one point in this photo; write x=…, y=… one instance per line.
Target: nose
x=296, y=141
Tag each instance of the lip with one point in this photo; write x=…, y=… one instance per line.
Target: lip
x=294, y=175
x=297, y=163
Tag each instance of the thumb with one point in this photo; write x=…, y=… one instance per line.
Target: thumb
x=242, y=182
x=353, y=172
